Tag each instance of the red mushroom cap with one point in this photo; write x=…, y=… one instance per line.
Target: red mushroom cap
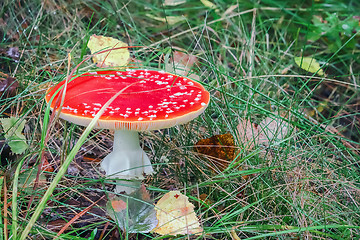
x=156, y=99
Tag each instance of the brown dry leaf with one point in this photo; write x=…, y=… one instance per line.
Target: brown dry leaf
x=220, y=148
x=248, y=133
x=46, y=166
x=272, y=130
x=114, y=58
x=176, y=215
x=182, y=63
x=8, y=85
x=267, y=132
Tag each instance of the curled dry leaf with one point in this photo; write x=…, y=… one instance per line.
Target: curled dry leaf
x=219, y=148
x=113, y=58
x=176, y=215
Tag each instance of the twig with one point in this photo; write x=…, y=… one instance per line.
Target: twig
x=103, y=231
x=76, y=217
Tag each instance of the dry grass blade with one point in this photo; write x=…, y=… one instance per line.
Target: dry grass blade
x=77, y=216
x=5, y=211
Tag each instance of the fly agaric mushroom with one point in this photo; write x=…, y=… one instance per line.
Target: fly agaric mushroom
x=151, y=100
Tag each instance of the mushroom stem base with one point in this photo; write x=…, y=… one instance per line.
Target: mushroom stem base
x=127, y=160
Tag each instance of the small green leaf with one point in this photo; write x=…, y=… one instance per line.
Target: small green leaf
x=309, y=64
x=27, y=180
x=12, y=131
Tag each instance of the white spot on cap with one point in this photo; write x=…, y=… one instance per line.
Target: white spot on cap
x=203, y=104
x=151, y=106
x=196, y=99
x=191, y=83
x=97, y=104
x=128, y=108
x=140, y=118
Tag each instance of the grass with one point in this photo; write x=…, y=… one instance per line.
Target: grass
x=302, y=185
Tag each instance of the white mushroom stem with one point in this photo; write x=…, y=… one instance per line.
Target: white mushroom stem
x=127, y=160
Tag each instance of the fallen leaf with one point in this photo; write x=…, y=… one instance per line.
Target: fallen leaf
x=248, y=133
x=171, y=20
x=12, y=131
x=209, y=5
x=13, y=52
x=8, y=85
x=181, y=63
x=272, y=130
x=118, y=205
x=220, y=149
x=46, y=166
x=173, y=2
x=134, y=213
x=309, y=64
x=269, y=131
x=27, y=180
x=113, y=58
x=176, y=215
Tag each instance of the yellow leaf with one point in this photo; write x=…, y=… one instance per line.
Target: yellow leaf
x=209, y=4
x=171, y=20
x=176, y=215
x=173, y=2
x=309, y=64
x=119, y=57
